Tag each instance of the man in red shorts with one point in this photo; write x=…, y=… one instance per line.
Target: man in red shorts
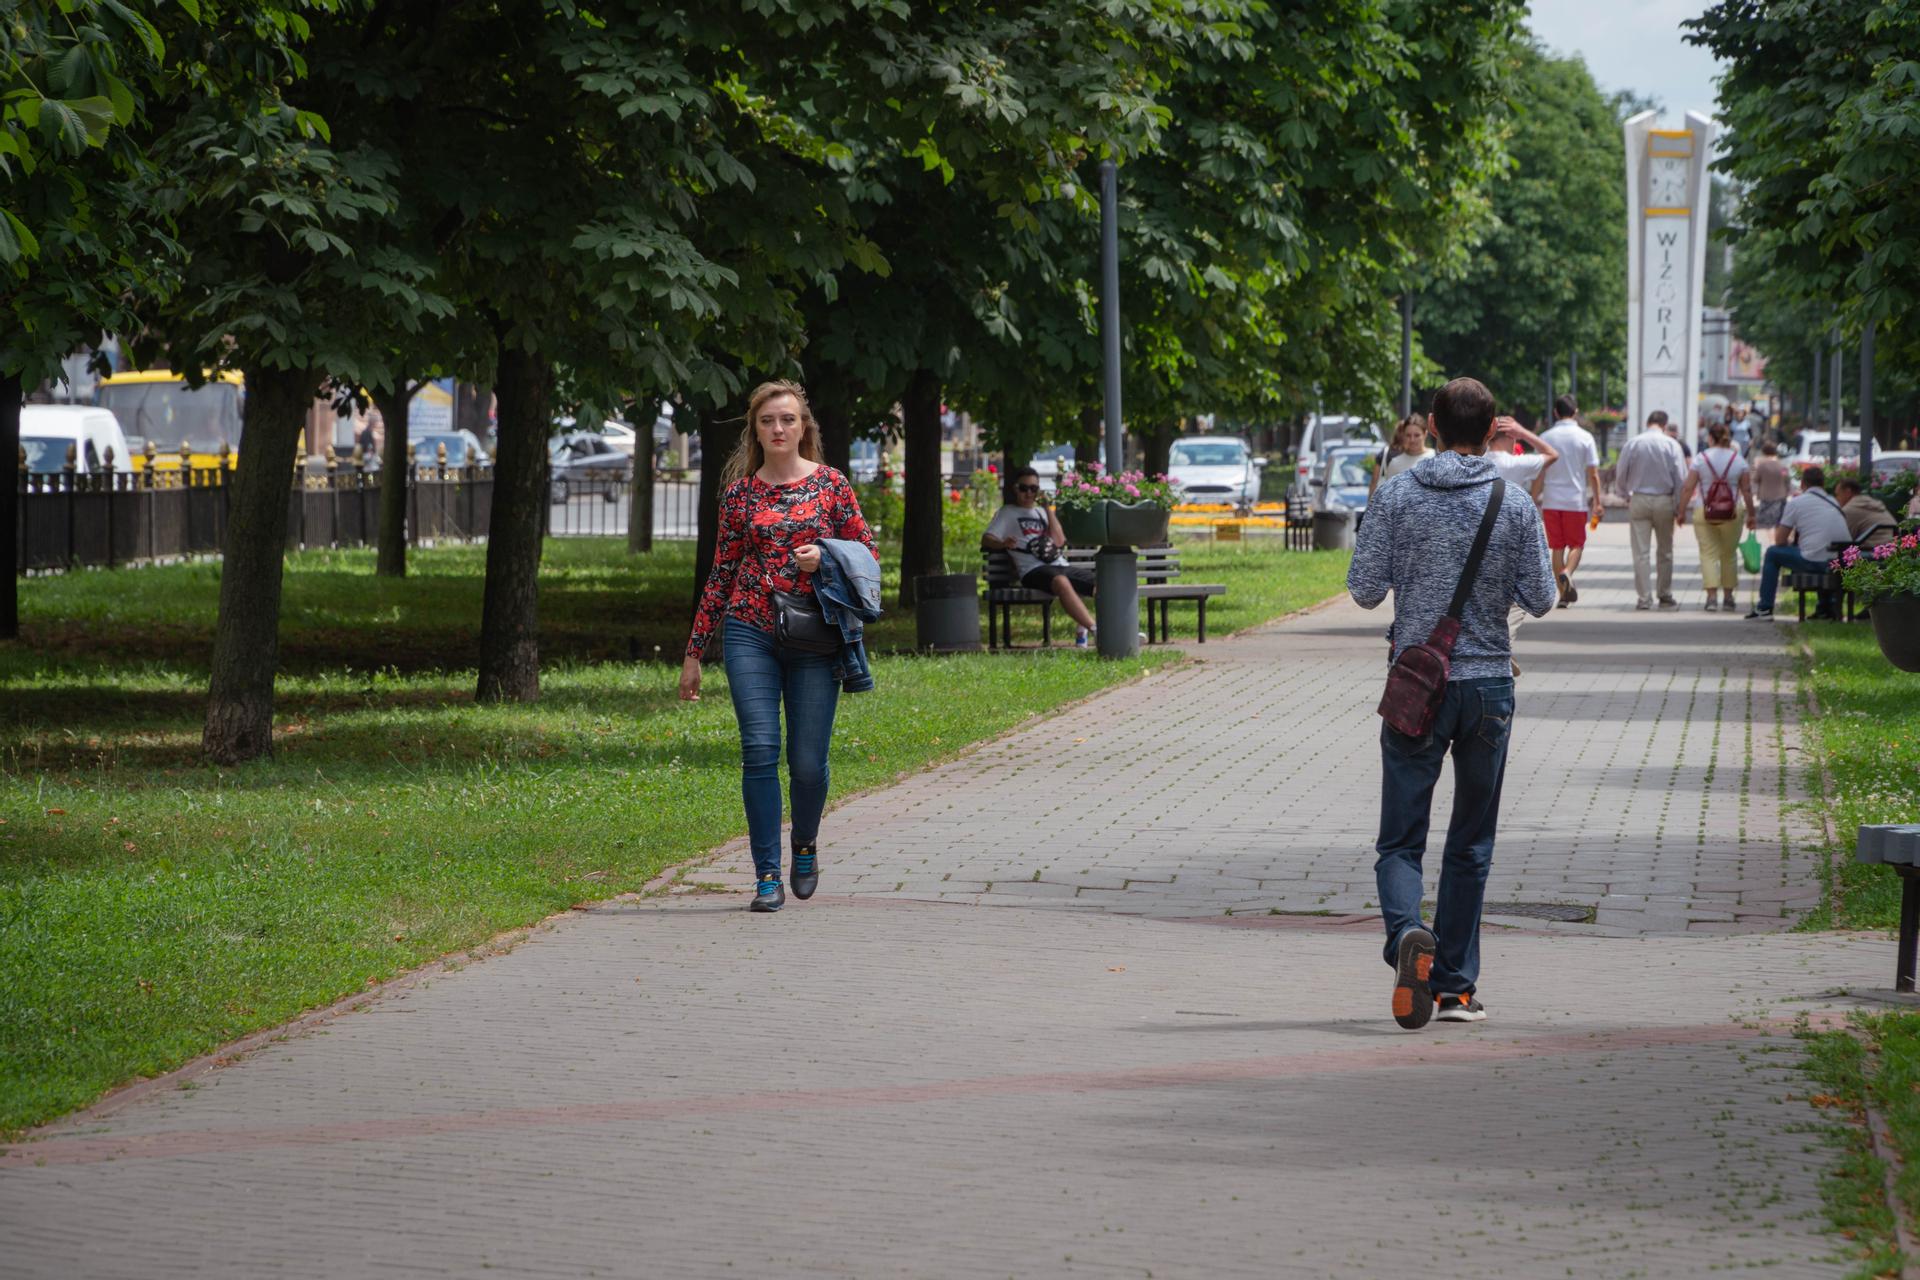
x=1570, y=494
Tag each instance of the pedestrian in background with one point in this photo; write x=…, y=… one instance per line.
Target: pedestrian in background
x=778, y=503
x=1571, y=495
x=1415, y=543
x=1772, y=482
x=1716, y=487
x=1805, y=541
x=1649, y=475
x=1403, y=453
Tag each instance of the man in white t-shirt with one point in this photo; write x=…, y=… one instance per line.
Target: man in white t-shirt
x=1031, y=536
x=1520, y=470
x=1816, y=520
x=1571, y=494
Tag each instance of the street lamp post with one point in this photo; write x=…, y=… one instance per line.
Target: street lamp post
x=1866, y=403
x=1406, y=354
x=1115, y=569
x=1833, y=427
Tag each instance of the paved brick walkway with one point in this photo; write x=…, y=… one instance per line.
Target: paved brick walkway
x=1117, y=1077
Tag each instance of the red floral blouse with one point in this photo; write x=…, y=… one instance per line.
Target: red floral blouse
x=760, y=525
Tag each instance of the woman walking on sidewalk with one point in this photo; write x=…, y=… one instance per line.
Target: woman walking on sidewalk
x=1717, y=484
x=778, y=504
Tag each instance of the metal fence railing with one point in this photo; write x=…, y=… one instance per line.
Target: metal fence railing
x=607, y=510
x=70, y=519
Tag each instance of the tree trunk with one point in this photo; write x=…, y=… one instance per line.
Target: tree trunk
x=246, y=637
x=828, y=394
x=395, y=478
x=718, y=436
x=10, y=390
x=471, y=404
x=1086, y=445
x=1159, y=445
x=509, y=614
x=640, y=515
x=922, y=549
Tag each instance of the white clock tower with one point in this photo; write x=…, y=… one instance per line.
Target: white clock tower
x=1667, y=191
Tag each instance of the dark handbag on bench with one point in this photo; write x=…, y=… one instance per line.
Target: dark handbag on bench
x=1417, y=681
x=799, y=625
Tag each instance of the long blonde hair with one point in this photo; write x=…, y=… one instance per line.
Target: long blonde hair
x=748, y=456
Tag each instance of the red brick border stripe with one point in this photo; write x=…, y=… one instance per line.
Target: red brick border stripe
x=1399, y=1052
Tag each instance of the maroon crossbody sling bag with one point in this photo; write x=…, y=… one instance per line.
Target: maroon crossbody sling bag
x=1417, y=681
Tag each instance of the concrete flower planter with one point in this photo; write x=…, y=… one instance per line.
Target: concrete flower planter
x=1896, y=625
x=1116, y=524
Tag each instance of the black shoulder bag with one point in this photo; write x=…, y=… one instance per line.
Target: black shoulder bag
x=799, y=625
x=1417, y=681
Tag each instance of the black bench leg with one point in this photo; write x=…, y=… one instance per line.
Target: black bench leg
x=1046, y=625
x=1803, y=606
x=1203, y=619
x=1909, y=931
x=1165, y=634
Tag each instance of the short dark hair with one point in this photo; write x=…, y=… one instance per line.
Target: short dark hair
x=1658, y=418
x=1813, y=478
x=1564, y=407
x=1848, y=482
x=1463, y=412
x=1021, y=473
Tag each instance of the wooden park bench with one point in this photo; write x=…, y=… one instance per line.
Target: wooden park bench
x=1159, y=567
x=1825, y=583
x=1898, y=846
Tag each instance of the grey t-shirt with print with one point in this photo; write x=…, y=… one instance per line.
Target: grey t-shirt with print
x=1027, y=526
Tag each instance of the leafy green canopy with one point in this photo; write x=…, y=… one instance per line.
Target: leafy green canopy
x=1822, y=102
x=1548, y=280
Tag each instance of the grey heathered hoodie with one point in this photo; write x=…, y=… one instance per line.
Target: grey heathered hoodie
x=1414, y=541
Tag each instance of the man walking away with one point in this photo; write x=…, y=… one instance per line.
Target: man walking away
x=1649, y=475
x=1419, y=529
x=1815, y=519
x=1570, y=495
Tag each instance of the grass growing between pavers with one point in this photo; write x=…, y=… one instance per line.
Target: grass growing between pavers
x=152, y=908
x=1876, y=1063
x=1867, y=735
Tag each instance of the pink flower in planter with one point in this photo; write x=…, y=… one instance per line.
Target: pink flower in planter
x=1133, y=491
x=1884, y=551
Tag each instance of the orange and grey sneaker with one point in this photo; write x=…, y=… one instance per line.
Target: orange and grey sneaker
x=1460, y=1008
x=1412, y=998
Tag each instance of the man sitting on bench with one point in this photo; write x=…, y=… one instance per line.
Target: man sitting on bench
x=1031, y=536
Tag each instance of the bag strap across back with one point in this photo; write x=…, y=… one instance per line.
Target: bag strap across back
x=1471, y=570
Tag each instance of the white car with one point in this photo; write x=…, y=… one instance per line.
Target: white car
x=1325, y=432
x=47, y=431
x=1886, y=463
x=1215, y=470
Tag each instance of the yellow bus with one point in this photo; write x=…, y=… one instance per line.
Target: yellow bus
x=158, y=407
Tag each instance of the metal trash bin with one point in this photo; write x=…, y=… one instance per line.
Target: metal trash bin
x=946, y=613
x=1332, y=530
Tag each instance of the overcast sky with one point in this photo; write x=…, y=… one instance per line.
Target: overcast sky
x=1634, y=44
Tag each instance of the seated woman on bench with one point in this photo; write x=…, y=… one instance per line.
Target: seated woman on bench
x=1031, y=536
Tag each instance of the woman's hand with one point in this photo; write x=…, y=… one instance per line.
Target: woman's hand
x=807, y=558
x=690, y=680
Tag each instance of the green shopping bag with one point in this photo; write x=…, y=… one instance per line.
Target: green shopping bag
x=1750, y=552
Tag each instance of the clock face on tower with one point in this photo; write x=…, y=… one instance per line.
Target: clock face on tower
x=1667, y=182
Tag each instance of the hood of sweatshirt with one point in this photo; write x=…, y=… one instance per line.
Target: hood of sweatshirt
x=1450, y=470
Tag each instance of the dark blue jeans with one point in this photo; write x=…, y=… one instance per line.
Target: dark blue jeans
x=761, y=678
x=1784, y=559
x=1475, y=720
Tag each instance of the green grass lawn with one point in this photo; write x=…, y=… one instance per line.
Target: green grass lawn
x=1868, y=737
x=152, y=907
x=1877, y=1062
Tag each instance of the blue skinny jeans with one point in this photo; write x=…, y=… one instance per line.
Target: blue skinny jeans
x=1475, y=721
x=761, y=678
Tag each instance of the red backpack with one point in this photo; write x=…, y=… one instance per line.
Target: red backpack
x=1719, y=504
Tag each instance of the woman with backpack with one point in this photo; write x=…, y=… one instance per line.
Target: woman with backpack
x=779, y=503
x=1718, y=484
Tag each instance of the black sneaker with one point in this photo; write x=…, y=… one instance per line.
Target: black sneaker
x=768, y=895
x=1456, y=1008
x=1565, y=586
x=1412, y=998
x=806, y=872
x=1760, y=614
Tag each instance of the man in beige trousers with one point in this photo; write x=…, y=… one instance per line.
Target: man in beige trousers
x=1649, y=475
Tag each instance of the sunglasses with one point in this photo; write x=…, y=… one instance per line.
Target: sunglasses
x=1026, y=488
